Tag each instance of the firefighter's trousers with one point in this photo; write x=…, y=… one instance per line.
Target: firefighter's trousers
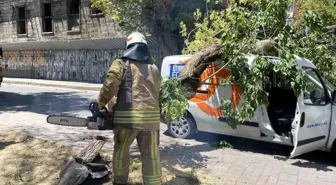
x=149, y=148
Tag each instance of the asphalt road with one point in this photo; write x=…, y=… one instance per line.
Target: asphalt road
x=45, y=100
x=26, y=107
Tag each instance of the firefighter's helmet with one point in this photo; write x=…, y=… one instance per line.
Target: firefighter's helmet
x=135, y=38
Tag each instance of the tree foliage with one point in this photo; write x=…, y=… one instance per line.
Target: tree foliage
x=160, y=18
x=240, y=27
x=325, y=9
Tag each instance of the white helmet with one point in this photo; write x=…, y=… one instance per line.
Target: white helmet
x=135, y=38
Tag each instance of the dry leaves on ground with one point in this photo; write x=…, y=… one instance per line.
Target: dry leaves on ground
x=28, y=161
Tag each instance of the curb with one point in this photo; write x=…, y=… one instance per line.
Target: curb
x=52, y=85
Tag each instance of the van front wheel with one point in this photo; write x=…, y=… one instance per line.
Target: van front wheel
x=333, y=148
x=182, y=128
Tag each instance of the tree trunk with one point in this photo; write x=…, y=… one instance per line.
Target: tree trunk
x=195, y=66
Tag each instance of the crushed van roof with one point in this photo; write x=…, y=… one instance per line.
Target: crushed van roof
x=302, y=62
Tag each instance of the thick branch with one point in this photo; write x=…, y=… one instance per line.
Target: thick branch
x=195, y=66
x=92, y=150
x=190, y=74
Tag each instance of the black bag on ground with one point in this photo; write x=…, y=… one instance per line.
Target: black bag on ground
x=75, y=172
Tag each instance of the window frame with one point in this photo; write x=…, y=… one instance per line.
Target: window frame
x=326, y=94
x=101, y=14
x=18, y=20
x=43, y=17
x=69, y=15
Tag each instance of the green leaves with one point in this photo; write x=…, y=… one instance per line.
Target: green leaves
x=172, y=99
x=205, y=31
x=240, y=27
x=321, y=13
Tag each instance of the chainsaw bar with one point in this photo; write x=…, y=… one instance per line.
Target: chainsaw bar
x=67, y=120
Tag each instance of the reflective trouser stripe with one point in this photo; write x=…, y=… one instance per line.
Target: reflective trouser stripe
x=121, y=172
x=154, y=154
x=152, y=180
x=120, y=168
x=148, y=145
x=155, y=177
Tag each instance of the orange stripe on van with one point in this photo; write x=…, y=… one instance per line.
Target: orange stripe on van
x=184, y=62
x=200, y=99
x=212, y=111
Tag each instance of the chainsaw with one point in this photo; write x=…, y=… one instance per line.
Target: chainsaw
x=100, y=119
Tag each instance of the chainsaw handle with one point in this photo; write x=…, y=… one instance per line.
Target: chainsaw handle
x=104, y=111
x=96, y=112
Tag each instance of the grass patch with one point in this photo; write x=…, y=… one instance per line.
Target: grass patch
x=221, y=144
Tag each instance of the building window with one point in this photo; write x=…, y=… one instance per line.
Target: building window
x=21, y=20
x=47, y=25
x=73, y=15
x=96, y=11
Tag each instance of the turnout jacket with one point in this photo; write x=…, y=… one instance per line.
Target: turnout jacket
x=136, y=86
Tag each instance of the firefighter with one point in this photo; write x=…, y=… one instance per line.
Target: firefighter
x=135, y=81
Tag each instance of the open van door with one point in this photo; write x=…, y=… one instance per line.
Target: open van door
x=310, y=127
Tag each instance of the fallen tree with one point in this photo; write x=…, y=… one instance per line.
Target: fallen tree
x=259, y=28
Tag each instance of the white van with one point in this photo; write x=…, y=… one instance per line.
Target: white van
x=306, y=122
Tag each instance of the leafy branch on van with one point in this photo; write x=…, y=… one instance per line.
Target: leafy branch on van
x=256, y=27
x=172, y=99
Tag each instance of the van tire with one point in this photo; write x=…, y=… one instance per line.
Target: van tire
x=186, y=124
x=333, y=148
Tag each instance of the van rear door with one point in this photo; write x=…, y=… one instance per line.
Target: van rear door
x=311, y=125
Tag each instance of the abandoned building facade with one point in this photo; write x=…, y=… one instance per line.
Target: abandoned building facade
x=60, y=40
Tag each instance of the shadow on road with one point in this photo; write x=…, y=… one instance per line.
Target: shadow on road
x=321, y=161
x=181, y=159
x=44, y=103
x=171, y=174
x=3, y=145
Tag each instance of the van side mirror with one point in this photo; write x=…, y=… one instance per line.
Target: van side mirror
x=333, y=96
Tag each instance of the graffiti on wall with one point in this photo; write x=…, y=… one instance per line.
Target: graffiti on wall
x=75, y=65
x=67, y=65
x=22, y=58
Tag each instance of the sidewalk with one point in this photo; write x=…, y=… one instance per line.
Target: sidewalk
x=54, y=83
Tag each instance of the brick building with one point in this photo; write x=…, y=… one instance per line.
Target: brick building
x=60, y=40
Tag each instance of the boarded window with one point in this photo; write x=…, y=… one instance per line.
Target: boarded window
x=21, y=20
x=73, y=15
x=47, y=25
